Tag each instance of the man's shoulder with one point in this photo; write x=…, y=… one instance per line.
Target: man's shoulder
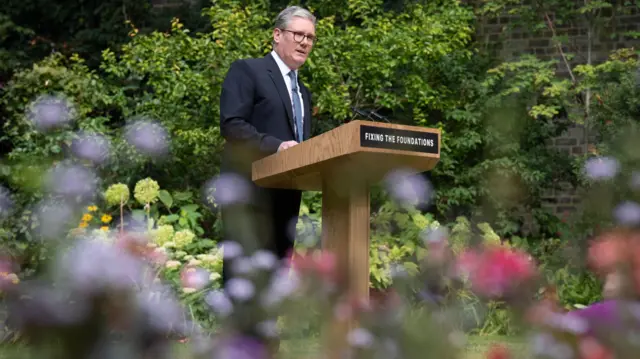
x=251, y=62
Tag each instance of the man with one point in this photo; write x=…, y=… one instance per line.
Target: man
x=264, y=109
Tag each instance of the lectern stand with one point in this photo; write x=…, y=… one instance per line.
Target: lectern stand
x=343, y=163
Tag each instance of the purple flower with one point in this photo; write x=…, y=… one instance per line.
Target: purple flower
x=148, y=137
x=409, y=188
x=602, y=168
x=627, y=213
x=241, y=347
x=72, y=181
x=92, y=147
x=50, y=112
x=228, y=189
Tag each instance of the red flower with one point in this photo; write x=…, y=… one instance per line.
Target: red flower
x=321, y=263
x=498, y=351
x=607, y=252
x=590, y=348
x=496, y=270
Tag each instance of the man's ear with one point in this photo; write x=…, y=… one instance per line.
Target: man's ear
x=276, y=35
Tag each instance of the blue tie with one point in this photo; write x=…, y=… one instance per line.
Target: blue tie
x=297, y=106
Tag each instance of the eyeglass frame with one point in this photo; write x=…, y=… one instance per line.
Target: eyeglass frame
x=312, y=38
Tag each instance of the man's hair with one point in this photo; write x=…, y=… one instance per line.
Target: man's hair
x=283, y=18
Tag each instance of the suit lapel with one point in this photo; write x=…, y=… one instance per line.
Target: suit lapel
x=278, y=80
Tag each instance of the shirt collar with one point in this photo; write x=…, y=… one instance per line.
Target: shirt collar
x=284, y=69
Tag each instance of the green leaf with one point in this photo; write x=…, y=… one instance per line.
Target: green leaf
x=182, y=196
x=190, y=208
x=166, y=199
x=170, y=218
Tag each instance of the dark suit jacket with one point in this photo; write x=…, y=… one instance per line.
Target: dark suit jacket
x=256, y=114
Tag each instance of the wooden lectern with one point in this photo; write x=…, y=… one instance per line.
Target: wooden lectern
x=343, y=163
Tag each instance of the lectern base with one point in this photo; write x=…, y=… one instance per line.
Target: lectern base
x=345, y=232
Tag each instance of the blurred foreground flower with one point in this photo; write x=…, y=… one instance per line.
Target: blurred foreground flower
x=616, y=255
x=319, y=263
x=99, y=291
x=227, y=189
x=496, y=271
x=601, y=168
x=409, y=188
x=91, y=147
x=50, y=112
x=72, y=181
x=148, y=137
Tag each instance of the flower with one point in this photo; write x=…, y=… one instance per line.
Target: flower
x=611, y=249
x=590, y=348
x=183, y=238
x=104, y=228
x=92, y=208
x=322, y=263
x=83, y=225
x=496, y=270
x=116, y=193
x=9, y=278
x=146, y=191
x=106, y=218
x=193, y=277
x=87, y=217
x=163, y=234
x=498, y=351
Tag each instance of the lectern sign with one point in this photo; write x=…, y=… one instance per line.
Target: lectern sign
x=397, y=139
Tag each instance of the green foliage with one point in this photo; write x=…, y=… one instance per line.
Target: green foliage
x=396, y=240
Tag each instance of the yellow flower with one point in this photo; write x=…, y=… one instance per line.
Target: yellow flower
x=92, y=208
x=104, y=228
x=83, y=225
x=106, y=218
x=87, y=217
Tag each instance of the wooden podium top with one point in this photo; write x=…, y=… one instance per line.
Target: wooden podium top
x=356, y=151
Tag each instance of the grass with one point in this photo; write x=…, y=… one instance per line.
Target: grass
x=476, y=348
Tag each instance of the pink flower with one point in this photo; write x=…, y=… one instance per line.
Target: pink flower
x=496, y=270
x=590, y=348
x=320, y=263
x=498, y=351
x=608, y=251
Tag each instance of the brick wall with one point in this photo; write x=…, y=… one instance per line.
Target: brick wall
x=493, y=35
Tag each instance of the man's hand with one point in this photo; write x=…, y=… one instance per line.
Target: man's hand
x=286, y=144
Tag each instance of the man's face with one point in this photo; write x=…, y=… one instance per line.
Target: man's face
x=294, y=43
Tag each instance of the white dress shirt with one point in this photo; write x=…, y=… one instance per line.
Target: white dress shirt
x=284, y=69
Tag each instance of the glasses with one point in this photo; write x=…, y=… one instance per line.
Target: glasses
x=300, y=36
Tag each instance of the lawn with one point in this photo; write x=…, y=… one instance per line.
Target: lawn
x=477, y=348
